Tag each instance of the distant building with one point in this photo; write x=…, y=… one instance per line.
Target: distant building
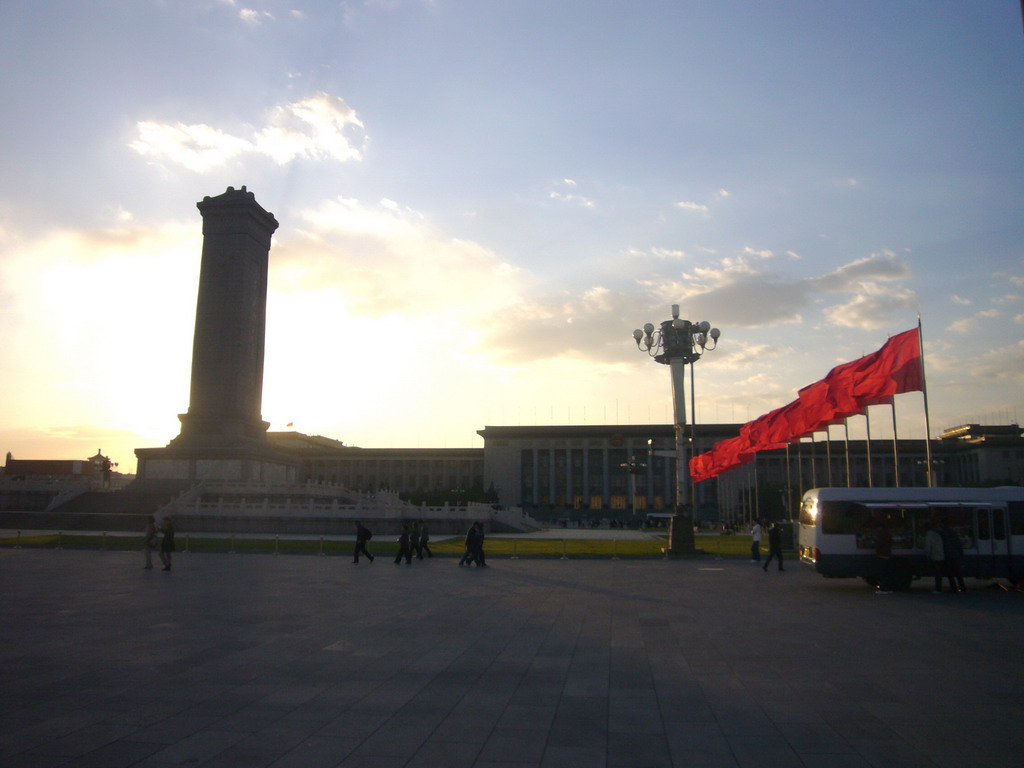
x=400, y=470
x=32, y=484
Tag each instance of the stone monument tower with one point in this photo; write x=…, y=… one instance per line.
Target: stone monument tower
x=223, y=435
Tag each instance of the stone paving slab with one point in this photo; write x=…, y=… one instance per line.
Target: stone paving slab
x=250, y=661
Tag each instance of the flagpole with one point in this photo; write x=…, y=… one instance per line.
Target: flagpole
x=846, y=428
x=800, y=465
x=895, y=442
x=867, y=419
x=789, y=485
x=828, y=452
x=814, y=461
x=924, y=393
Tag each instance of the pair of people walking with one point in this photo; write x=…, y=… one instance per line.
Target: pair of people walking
x=413, y=541
x=152, y=541
x=474, y=547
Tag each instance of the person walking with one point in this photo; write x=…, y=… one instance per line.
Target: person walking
x=424, y=541
x=149, y=542
x=774, y=545
x=478, y=546
x=167, y=543
x=933, y=550
x=755, y=542
x=468, y=555
x=404, y=549
x=363, y=535
x=953, y=553
x=415, y=544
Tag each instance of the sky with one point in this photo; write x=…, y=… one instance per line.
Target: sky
x=479, y=200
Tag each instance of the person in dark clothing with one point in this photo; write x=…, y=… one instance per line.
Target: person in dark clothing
x=404, y=549
x=478, y=547
x=467, y=557
x=150, y=542
x=424, y=541
x=167, y=543
x=415, y=543
x=774, y=546
x=363, y=535
x=953, y=553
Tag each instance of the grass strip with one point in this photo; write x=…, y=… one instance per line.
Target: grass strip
x=720, y=546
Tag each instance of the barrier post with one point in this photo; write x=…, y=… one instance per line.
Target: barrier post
x=60, y=539
x=17, y=541
x=615, y=549
x=514, y=555
x=231, y=549
x=103, y=541
x=277, y=545
x=564, y=556
x=187, y=542
x=321, y=546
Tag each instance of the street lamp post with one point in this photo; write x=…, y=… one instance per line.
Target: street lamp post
x=677, y=343
x=634, y=467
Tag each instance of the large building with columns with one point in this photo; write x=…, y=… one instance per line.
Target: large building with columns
x=580, y=472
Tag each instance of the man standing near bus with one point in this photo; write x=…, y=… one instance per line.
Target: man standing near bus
x=953, y=553
x=935, y=553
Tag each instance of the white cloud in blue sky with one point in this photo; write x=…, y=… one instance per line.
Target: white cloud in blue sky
x=515, y=186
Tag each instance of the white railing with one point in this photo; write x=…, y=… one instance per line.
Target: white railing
x=67, y=495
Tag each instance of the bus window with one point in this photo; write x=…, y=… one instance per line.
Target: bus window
x=868, y=520
x=983, y=531
x=924, y=520
x=807, y=512
x=841, y=517
x=1016, y=512
x=998, y=525
x=961, y=520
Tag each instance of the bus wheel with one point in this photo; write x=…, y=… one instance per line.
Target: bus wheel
x=902, y=576
x=871, y=581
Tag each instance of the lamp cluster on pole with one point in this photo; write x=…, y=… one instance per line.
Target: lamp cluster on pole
x=676, y=343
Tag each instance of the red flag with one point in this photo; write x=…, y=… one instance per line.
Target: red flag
x=846, y=390
x=892, y=370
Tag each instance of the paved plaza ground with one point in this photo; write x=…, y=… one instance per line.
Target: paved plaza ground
x=245, y=661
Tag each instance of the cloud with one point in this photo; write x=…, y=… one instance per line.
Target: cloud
x=885, y=266
x=591, y=325
x=971, y=324
x=571, y=197
x=319, y=127
x=874, y=307
x=586, y=202
x=700, y=208
x=196, y=147
x=693, y=207
x=251, y=16
x=388, y=258
x=1001, y=364
x=960, y=300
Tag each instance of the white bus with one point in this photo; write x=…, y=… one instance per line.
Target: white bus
x=838, y=527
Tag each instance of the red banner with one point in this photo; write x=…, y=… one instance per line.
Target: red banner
x=845, y=391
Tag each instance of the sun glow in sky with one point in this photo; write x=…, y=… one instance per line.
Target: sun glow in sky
x=479, y=201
